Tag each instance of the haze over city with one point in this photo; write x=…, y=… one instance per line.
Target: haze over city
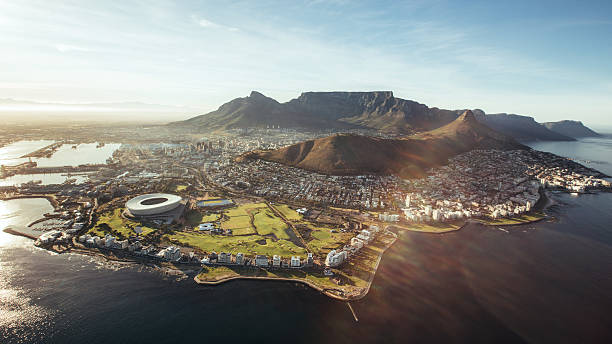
x=549, y=60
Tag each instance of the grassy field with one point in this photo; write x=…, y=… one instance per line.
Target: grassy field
x=249, y=244
x=288, y=213
x=432, y=228
x=524, y=219
x=210, y=218
x=238, y=220
x=267, y=223
x=118, y=225
x=251, y=226
x=216, y=273
x=322, y=240
x=354, y=275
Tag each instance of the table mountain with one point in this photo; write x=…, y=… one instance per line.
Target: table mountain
x=341, y=110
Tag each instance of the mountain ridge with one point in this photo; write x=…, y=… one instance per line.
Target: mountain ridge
x=575, y=129
x=379, y=110
x=350, y=154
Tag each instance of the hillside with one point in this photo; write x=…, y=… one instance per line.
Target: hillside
x=406, y=157
x=573, y=129
x=522, y=128
x=378, y=110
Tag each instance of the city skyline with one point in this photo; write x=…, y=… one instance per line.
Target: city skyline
x=548, y=61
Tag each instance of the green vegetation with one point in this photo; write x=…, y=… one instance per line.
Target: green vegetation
x=351, y=280
x=113, y=223
x=267, y=223
x=521, y=220
x=180, y=188
x=322, y=239
x=238, y=219
x=218, y=273
x=210, y=218
x=248, y=244
x=442, y=227
x=288, y=213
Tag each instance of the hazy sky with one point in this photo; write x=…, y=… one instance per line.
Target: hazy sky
x=551, y=60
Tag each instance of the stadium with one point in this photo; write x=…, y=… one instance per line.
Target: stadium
x=156, y=206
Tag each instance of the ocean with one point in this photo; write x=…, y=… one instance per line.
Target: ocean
x=548, y=282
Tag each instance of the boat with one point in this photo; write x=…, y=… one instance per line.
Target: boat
x=575, y=194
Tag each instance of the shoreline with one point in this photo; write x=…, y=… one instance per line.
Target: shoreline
x=49, y=197
x=76, y=249
x=326, y=291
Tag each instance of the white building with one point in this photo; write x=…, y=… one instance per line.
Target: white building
x=224, y=258
x=309, y=260
x=261, y=260
x=109, y=241
x=206, y=226
x=388, y=217
x=295, y=262
x=240, y=258
x=170, y=253
x=276, y=261
x=335, y=258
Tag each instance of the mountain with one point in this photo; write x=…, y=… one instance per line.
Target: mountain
x=378, y=110
x=375, y=110
x=348, y=154
x=257, y=110
x=573, y=129
x=522, y=128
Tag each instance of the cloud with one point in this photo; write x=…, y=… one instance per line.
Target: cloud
x=65, y=48
x=212, y=25
x=207, y=23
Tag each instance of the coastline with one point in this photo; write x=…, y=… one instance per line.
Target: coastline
x=49, y=197
x=324, y=290
x=334, y=293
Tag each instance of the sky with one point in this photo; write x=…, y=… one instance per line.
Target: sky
x=546, y=59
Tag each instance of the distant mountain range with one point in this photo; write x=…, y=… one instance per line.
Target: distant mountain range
x=571, y=128
x=374, y=110
x=348, y=154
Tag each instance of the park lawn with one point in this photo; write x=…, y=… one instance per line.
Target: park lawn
x=323, y=240
x=267, y=223
x=521, y=220
x=239, y=217
x=288, y=213
x=200, y=218
x=118, y=224
x=442, y=227
x=244, y=231
x=217, y=273
x=234, y=244
x=210, y=218
x=180, y=188
x=237, y=222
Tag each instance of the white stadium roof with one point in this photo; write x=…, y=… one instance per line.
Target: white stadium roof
x=152, y=204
